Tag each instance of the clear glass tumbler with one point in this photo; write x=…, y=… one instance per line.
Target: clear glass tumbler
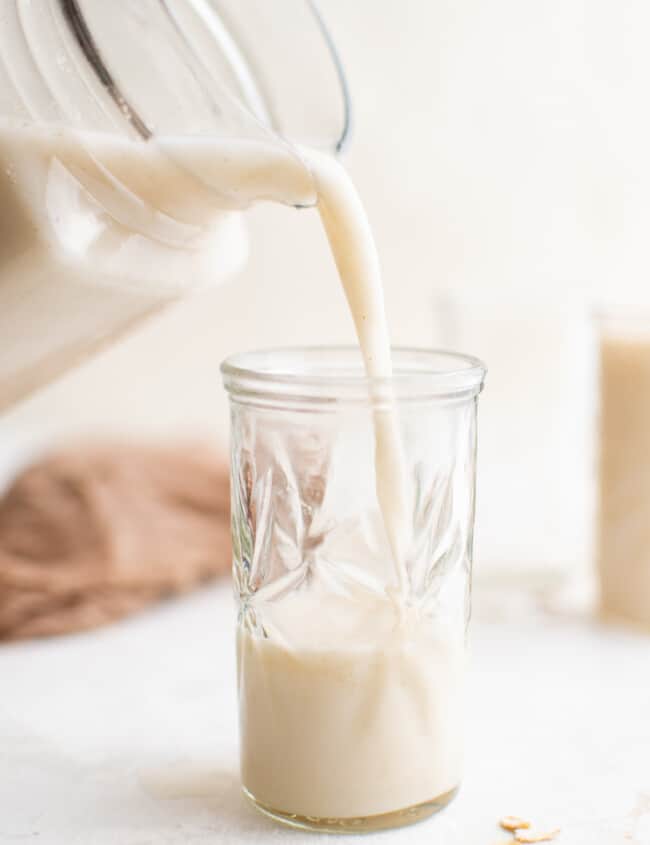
x=350, y=690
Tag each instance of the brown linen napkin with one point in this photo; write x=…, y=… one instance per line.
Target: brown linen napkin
x=93, y=533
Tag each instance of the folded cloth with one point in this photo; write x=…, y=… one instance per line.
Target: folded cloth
x=93, y=533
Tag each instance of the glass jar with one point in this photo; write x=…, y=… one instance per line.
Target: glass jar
x=115, y=196
x=623, y=526
x=351, y=696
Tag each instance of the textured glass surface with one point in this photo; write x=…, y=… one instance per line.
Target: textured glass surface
x=304, y=505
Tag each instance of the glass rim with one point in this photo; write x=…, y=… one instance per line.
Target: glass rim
x=335, y=374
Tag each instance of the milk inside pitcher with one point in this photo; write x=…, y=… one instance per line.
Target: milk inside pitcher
x=132, y=136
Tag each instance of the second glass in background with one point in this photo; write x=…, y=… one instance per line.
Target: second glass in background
x=623, y=524
x=350, y=692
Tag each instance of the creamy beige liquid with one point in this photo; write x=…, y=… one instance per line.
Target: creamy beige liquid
x=344, y=712
x=355, y=253
x=624, y=507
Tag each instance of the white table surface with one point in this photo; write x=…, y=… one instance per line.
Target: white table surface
x=128, y=735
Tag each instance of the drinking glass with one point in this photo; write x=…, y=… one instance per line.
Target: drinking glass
x=350, y=692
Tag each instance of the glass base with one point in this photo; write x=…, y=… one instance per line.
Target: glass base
x=362, y=824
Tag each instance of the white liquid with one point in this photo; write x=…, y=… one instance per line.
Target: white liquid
x=355, y=253
x=345, y=713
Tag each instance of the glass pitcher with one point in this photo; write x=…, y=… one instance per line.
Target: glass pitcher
x=118, y=126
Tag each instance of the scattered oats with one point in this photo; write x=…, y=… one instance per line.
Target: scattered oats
x=514, y=823
x=536, y=837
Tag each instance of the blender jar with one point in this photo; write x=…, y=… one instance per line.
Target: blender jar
x=117, y=125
